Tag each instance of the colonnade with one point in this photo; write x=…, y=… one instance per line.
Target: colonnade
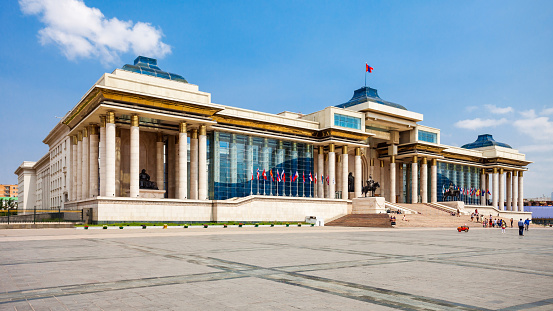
x=507, y=189
x=326, y=168
x=95, y=153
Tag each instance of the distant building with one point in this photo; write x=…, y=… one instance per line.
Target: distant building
x=8, y=191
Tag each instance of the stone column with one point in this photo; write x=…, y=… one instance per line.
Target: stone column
x=74, y=168
x=345, y=169
x=424, y=181
x=382, y=178
x=488, y=187
x=501, y=203
x=414, y=180
x=520, y=193
x=434, y=181
x=160, y=178
x=358, y=177
x=85, y=171
x=102, y=149
x=134, y=161
x=93, y=140
x=509, y=187
x=194, y=165
x=495, y=188
x=110, y=154
x=331, y=172
x=393, y=179
x=484, y=187
x=177, y=165
x=118, y=172
x=514, y=201
x=79, y=184
x=183, y=159
x=320, y=169
x=202, y=163
x=400, y=182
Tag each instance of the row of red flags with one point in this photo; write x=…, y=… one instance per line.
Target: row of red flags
x=281, y=177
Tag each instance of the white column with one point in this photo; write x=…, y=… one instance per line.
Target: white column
x=134, y=161
x=393, y=179
x=520, y=192
x=85, y=171
x=331, y=172
x=75, y=158
x=424, y=181
x=382, y=179
x=414, y=180
x=488, y=187
x=484, y=187
x=345, y=169
x=93, y=141
x=400, y=182
x=183, y=159
x=202, y=163
x=320, y=172
x=358, y=177
x=159, y=162
x=495, y=188
x=176, y=166
x=194, y=165
x=79, y=184
x=102, y=155
x=514, y=201
x=509, y=187
x=501, y=203
x=110, y=154
x=434, y=181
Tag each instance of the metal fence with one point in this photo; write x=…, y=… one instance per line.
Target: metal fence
x=40, y=216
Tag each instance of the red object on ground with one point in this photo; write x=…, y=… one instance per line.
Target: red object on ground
x=463, y=228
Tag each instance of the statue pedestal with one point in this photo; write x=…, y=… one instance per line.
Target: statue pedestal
x=370, y=205
x=152, y=194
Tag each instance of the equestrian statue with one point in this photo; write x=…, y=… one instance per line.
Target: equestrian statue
x=371, y=186
x=452, y=192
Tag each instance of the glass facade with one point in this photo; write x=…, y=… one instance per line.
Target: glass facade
x=428, y=137
x=235, y=158
x=462, y=177
x=347, y=121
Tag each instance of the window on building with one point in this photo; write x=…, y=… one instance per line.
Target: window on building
x=428, y=137
x=347, y=121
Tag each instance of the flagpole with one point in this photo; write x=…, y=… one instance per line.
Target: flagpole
x=251, y=184
x=310, y=188
x=258, y=181
x=272, y=180
x=290, y=183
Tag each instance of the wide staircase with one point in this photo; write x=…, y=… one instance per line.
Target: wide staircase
x=362, y=220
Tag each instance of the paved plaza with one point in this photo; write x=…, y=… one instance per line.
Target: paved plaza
x=313, y=268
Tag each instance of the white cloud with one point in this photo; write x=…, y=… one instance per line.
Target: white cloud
x=471, y=108
x=478, y=123
x=536, y=148
x=537, y=128
x=84, y=32
x=498, y=110
x=547, y=111
x=528, y=114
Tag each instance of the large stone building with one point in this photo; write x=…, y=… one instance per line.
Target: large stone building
x=216, y=162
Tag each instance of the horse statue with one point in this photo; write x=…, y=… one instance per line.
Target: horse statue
x=371, y=186
x=452, y=192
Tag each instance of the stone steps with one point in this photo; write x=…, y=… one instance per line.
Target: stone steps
x=362, y=220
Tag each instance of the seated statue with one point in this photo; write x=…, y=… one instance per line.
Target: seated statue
x=145, y=182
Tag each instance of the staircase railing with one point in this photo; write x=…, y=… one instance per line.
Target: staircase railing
x=405, y=210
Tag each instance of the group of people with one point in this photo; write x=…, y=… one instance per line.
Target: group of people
x=523, y=225
x=499, y=223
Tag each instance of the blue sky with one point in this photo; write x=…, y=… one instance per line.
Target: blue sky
x=465, y=65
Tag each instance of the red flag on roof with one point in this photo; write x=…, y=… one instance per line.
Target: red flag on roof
x=369, y=68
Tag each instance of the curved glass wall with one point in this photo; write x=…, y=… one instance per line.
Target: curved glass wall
x=236, y=158
x=464, y=178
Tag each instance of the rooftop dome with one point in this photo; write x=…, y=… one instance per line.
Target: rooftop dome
x=485, y=140
x=365, y=94
x=148, y=66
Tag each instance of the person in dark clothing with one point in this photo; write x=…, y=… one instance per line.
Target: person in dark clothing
x=511, y=222
x=521, y=227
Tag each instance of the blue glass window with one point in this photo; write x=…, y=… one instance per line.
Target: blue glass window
x=428, y=137
x=347, y=121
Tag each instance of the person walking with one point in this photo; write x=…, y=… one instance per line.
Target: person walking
x=527, y=224
x=503, y=227
x=521, y=227
x=511, y=222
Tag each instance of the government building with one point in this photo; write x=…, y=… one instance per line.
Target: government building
x=143, y=144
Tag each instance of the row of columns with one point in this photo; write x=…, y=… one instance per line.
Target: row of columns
x=513, y=183
x=327, y=168
x=93, y=153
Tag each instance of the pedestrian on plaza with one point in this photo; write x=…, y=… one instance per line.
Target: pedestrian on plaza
x=491, y=223
x=503, y=227
x=511, y=222
x=527, y=223
x=521, y=227
x=471, y=217
x=458, y=213
x=477, y=218
x=494, y=222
